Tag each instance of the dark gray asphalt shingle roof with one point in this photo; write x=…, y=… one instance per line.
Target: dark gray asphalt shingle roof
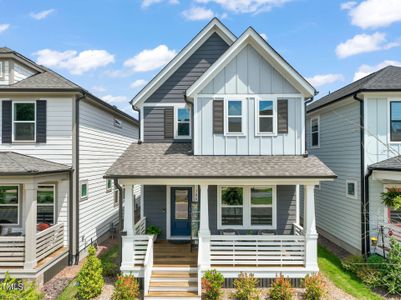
x=391, y=164
x=176, y=161
x=13, y=163
x=388, y=78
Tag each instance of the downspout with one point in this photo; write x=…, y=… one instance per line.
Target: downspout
x=70, y=213
x=364, y=186
x=120, y=218
x=192, y=120
x=307, y=101
x=139, y=118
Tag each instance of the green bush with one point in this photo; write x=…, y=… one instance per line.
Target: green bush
x=126, y=288
x=13, y=289
x=353, y=263
x=315, y=287
x=391, y=279
x=110, y=269
x=376, y=262
x=246, y=287
x=153, y=229
x=90, y=278
x=281, y=289
x=212, y=283
x=370, y=276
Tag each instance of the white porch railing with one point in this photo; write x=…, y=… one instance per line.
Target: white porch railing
x=298, y=229
x=140, y=227
x=12, y=251
x=257, y=250
x=49, y=240
x=148, y=265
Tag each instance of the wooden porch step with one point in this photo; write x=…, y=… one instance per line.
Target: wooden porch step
x=173, y=284
x=172, y=275
x=172, y=295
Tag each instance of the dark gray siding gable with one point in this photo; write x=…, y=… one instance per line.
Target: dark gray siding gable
x=155, y=206
x=173, y=89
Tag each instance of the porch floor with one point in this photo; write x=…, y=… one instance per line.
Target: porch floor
x=174, y=254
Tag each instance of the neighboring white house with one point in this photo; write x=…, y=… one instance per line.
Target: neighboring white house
x=220, y=162
x=57, y=141
x=356, y=131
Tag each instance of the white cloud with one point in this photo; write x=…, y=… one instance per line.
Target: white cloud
x=348, y=5
x=246, y=6
x=76, y=63
x=362, y=43
x=376, y=13
x=365, y=70
x=323, y=79
x=264, y=36
x=150, y=59
x=42, y=14
x=198, y=13
x=99, y=89
x=4, y=27
x=114, y=99
x=138, y=83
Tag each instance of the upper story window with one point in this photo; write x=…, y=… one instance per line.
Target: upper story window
x=24, y=121
x=234, y=117
x=315, y=132
x=351, y=188
x=183, y=123
x=2, y=70
x=395, y=121
x=265, y=117
x=109, y=185
x=84, y=190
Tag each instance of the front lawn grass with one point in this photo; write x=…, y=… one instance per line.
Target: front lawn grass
x=330, y=266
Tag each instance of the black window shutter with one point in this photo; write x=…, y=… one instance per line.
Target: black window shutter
x=41, y=121
x=282, y=116
x=6, y=121
x=169, y=123
x=218, y=116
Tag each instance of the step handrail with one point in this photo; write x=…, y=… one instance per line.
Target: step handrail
x=148, y=265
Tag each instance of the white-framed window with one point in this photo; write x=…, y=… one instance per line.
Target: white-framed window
x=246, y=207
x=265, y=112
x=9, y=205
x=317, y=187
x=182, y=124
x=1, y=69
x=117, y=123
x=84, y=190
x=315, y=132
x=109, y=185
x=234, y=117
x=24, y=121
x=395, y=121
x=46, y=206
x=351, y=188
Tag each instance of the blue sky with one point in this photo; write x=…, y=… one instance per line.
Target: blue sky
x=113, y=47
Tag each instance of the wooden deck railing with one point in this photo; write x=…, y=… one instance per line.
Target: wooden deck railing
x=12, y=251
x=49, y=240
x=298, y=229
x=257, y=250
x=140, y=227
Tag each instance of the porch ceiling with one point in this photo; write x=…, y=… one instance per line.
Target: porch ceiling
x=175, y=160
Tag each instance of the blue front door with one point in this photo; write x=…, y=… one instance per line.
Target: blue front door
x=181, y=198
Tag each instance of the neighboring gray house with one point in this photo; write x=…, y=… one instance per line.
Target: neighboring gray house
x=356, y=132
x=220, y=161
x=57, y=141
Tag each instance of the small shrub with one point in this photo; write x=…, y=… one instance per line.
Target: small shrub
x=281, y=289
x=370, y=276
x=90, y=278
x=353, y=263
x=110, y=269
x=126, y=288
x=212, y=283
x=376, y=262
x=391, y=279
x=153, y=229
x=246, y=287
x=315, y=288
x=13, y=289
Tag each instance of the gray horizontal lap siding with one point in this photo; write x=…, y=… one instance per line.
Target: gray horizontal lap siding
x=155, y=207
x=173, y=89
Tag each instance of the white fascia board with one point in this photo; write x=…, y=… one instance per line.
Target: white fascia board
x=250, y=36
x=214, y=26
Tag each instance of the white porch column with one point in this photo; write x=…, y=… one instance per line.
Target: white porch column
x=204, y=232
x=128, y=249
x=30, y=204
x=310, y=228
x=297, y=206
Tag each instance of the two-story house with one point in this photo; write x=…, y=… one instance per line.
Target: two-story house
x=57, y=141
x=356, y=132
x=220, y=160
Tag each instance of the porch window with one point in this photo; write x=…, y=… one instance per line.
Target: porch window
x=395, y=216
x=234, y=117
x=183, y=123
x=9, y=206
x=395, y=121
x=46, y=204
x=261, y=206
x=24, y=121
x=232, y=200
x=315, y=132
x=264, y=113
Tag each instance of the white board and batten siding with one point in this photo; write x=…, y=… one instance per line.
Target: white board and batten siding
x=100, y=144
x=248, y=75
x=337, y=214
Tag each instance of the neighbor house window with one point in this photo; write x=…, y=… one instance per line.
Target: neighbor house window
x=84, y=190
x=1, y=70
x=109, y=185
x=24, y=121
x=265, y=116
x=232, y=200
x=183, y=123
x=395, y=216
x=46, y=204
x=234, y=117
x=315, y=135
x=351, y=188
x=395, y=121
x=9, y=208
x=261, y=206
